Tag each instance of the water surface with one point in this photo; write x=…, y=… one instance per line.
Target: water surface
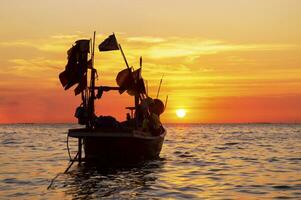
x=252, y=161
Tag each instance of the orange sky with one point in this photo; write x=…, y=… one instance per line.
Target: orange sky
x=224, y=61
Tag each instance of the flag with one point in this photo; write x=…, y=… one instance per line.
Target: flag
x=109, y=44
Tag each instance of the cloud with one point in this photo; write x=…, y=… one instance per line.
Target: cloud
x=146, y=39
x=37, y=63
x=42, y=45
x=34, y=69
x=4, y=101
x=74, y=36
x=194, y=47
x=153, y=47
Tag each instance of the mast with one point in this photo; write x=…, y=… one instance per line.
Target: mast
x=91, y=106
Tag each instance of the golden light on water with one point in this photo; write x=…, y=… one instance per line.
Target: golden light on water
x=181, y=113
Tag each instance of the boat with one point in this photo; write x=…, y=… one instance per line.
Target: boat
x=106, y=141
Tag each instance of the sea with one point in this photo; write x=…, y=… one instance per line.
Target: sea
x=198, y=161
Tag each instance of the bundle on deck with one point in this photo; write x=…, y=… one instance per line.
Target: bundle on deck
x=132, y=82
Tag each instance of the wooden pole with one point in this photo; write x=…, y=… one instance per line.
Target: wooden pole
x=92, y=86
x=79, y=150
x=137, y=96
x=125, y=60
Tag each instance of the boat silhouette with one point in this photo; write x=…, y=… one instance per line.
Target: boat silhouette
x=105, y=140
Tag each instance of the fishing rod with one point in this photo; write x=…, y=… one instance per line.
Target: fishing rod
x=166, y=100
x=159, y=86
x=140, y=62
x=146, y=83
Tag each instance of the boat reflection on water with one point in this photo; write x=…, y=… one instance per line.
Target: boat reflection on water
x=89, y=181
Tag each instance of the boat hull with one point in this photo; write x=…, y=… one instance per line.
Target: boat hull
x=121, y=149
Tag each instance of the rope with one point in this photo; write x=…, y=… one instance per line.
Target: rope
x=66, y=170
x=71, y=164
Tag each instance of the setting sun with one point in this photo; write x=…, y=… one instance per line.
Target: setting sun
x=181, y=113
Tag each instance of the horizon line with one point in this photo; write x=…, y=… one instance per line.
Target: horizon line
x=169, y=123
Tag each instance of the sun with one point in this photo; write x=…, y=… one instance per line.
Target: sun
x=181, y=113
